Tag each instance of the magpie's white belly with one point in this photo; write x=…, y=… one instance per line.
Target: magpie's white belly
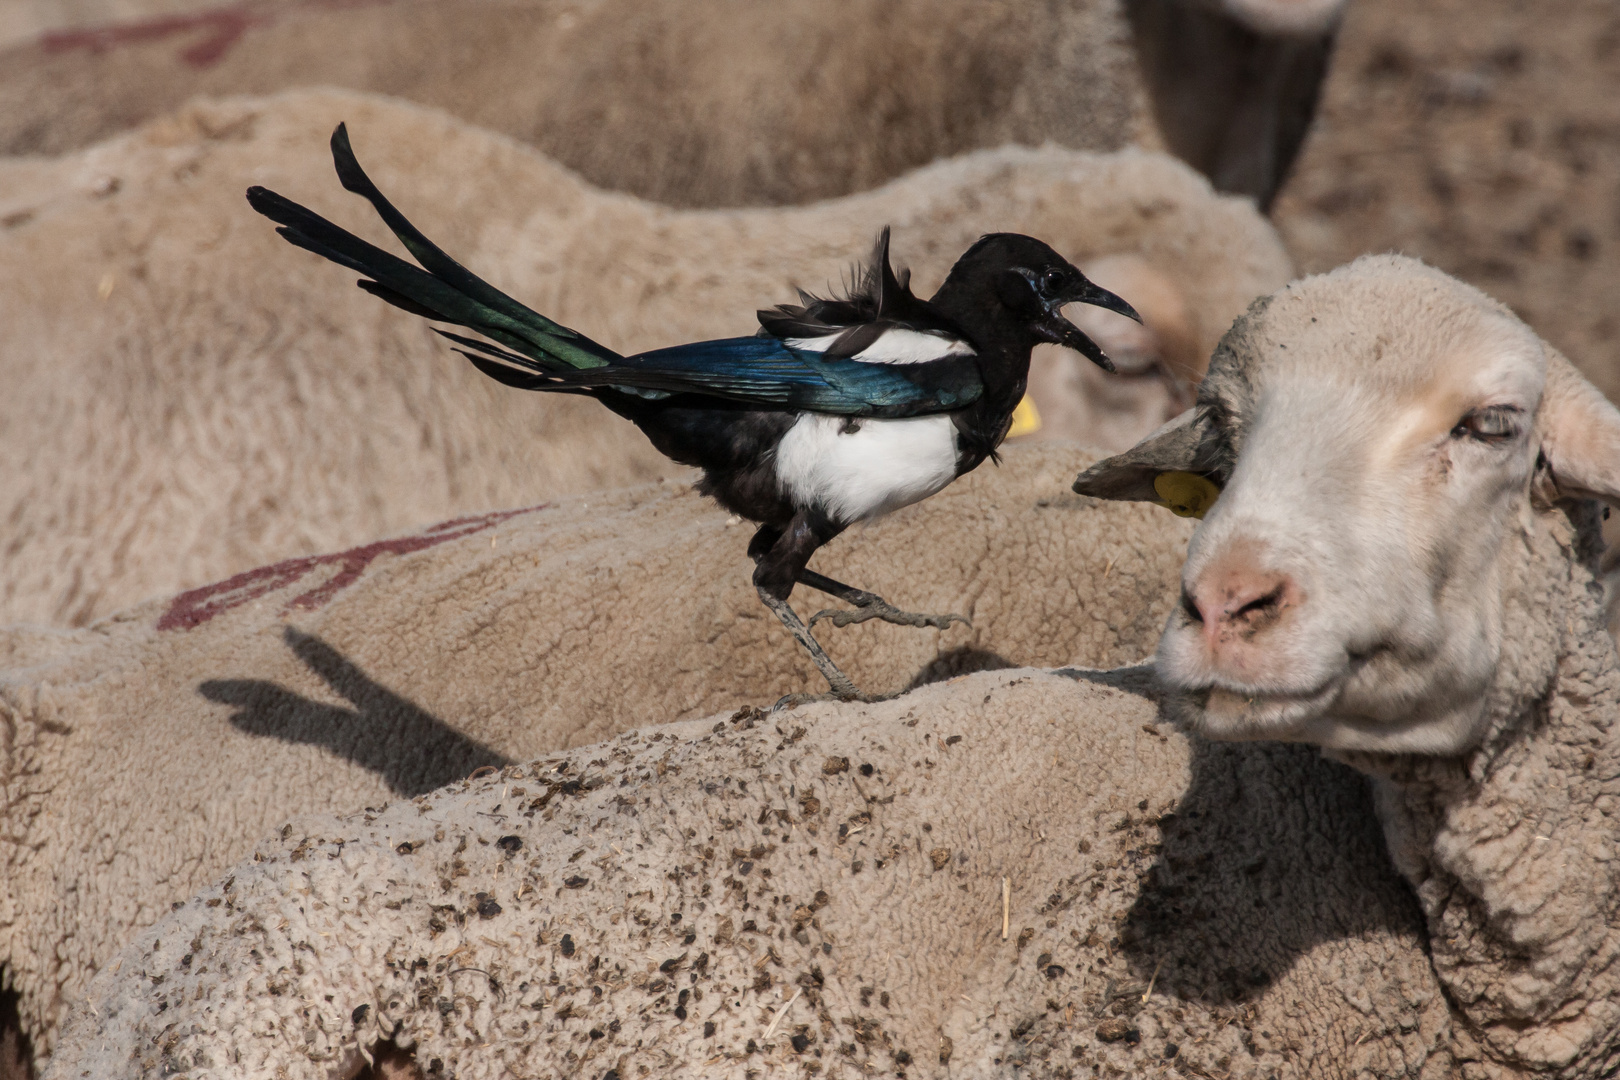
x=883, y=466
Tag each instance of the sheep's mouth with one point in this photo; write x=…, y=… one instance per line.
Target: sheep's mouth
x=1256, y=713
x=1249, y=714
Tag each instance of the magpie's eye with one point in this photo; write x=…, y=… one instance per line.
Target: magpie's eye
x=1491, y=424
x=1051, y=281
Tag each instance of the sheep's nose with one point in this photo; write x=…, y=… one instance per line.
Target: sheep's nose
x=1239, y=600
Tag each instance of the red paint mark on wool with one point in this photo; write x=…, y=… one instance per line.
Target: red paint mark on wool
x=220, y=29
x=197, y=606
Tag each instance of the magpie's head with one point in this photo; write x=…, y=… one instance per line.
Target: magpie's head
x=1016, y=282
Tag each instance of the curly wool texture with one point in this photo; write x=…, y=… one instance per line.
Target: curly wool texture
x=141, y=758
x=1511, y=848
x=817, y=890
x=188, y=397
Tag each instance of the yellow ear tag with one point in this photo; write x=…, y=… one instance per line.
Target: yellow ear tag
x=1186, y=494
x=1025, y=420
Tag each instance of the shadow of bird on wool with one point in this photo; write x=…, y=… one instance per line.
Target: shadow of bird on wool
x=412, y=750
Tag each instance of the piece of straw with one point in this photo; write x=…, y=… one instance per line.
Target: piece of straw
x=1151, y=981
x=777, y=1019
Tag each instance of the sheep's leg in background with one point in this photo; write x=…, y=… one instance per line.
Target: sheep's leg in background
x=868, y=606
x=1233, y=90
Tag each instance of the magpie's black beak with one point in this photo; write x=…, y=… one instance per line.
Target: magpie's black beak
x=1060, y=331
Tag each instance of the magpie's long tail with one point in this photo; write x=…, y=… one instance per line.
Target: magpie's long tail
x=442, y=289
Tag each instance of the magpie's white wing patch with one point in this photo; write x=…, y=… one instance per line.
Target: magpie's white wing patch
x=911, y=347
x=811, y=344
x=896, y=345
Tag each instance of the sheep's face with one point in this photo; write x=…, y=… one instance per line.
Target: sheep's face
x=1375, y=433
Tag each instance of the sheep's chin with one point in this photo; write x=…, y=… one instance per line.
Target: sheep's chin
x=1326, y=718
x=1218, y=713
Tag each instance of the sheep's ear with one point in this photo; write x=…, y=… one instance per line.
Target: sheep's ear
x=1171, y=467
x=1580, y=435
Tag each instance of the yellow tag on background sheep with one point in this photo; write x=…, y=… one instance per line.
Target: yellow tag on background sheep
x=1186, y=494
x=1026, y=421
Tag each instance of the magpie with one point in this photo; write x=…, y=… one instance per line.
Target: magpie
x=838, y=410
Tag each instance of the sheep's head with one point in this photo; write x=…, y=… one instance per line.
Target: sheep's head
x=1377, y=435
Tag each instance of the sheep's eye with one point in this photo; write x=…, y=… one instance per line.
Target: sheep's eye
x=1494, y=423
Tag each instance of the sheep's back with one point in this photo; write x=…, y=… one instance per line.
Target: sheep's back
x=724, y=103
x=150, y=751
x=1015, y=871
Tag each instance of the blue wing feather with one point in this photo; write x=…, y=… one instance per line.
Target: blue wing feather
x=767, y=371
x=761, y=371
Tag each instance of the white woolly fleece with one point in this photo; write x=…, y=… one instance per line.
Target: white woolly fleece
x=346, y=679
x=978, y=879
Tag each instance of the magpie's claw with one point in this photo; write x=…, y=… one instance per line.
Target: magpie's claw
x=875, y=607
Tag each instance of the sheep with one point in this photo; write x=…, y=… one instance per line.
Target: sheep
x=1018, y=873
x=728, y=104
x=188, y=399
x=383, y=672
x=720, y=103
x=1401, y=568
x=1234, y=83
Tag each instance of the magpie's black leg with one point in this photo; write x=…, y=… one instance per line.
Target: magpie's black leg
x=779, y=557
x=868, y=606
x=765, y=538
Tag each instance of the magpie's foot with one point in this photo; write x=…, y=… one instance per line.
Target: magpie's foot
x=842, y=688
x=871, y=606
